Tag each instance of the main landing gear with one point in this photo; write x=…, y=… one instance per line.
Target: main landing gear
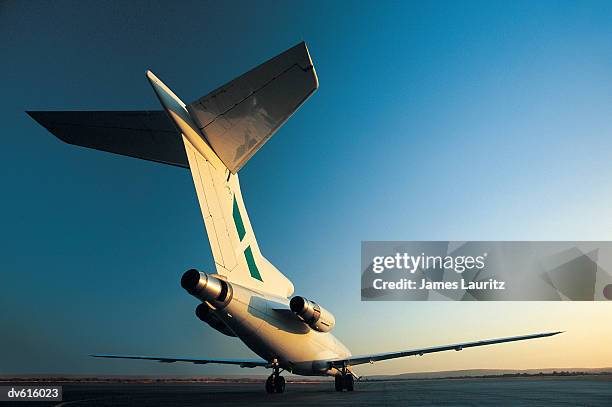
x=275, y=382
x=344, y=380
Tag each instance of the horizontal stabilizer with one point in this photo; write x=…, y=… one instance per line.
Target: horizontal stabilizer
x=197, y=361
x=240, y=116
x=149, y=135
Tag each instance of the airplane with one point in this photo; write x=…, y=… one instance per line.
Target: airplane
x=247, y=296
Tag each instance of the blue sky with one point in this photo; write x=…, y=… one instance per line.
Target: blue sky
x=433, y=120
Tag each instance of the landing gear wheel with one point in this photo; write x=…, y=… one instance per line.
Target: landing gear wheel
x=275, y=382
x=344, y=380
x=270, y=384
x=279, y=384
x=338, y=382
x=349, y=381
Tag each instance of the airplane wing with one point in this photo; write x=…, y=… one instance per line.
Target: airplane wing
x=358, y=360
x=197, y=361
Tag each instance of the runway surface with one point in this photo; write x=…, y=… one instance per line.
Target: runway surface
x=568, y=391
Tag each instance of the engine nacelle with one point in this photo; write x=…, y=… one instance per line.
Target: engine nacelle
x=205, y=314
x=317, y=317
x=206, y=287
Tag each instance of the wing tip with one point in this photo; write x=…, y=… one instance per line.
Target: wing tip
x=314, y=71
x=36, y=116
x=151, y=76
x=547, y=334
x=45, y=118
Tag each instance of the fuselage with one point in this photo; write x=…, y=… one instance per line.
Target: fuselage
x=265, y=323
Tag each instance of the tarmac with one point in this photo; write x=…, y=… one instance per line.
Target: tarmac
x=558, y=391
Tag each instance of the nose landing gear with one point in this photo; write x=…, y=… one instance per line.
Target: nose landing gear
x=275, y=382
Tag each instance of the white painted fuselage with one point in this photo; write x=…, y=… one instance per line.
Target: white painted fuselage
x=269, y=328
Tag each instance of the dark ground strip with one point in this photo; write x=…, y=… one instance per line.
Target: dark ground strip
x=570, y=391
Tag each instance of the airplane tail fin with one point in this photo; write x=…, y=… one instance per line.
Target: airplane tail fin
x=232, y=239
x=221, y=132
